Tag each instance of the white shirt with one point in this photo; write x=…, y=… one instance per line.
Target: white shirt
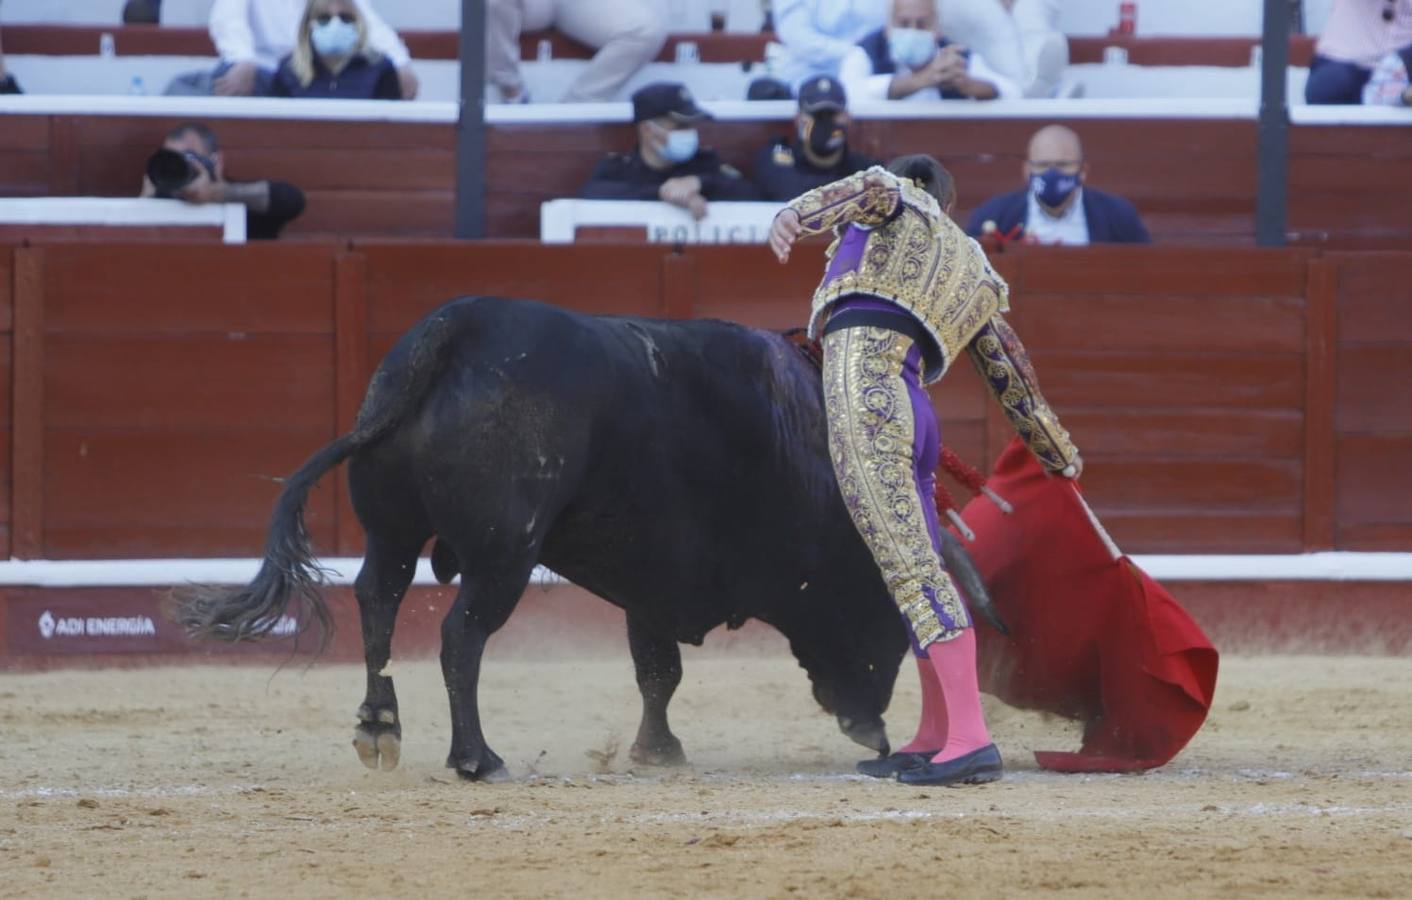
x=860, y=83
x=1070, y=228
x=818, y=34
x=264, y=31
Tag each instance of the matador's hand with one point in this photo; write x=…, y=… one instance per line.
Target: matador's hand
x=1074, y=469
x=784, y=231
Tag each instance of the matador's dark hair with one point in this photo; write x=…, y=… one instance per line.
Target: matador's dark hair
x=928, y=174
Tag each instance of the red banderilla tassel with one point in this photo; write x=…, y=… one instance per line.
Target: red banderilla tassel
x=971, y=478
x=944, y=503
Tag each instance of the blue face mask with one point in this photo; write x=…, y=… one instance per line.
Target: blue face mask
x=334, y=37
x=1052, y=187
x=681, y=145
x=911, y=47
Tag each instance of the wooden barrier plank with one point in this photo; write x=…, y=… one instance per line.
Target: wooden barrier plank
x=27, y=464
x=1158, y=270
x=197, y=381
x=1187, y=431
x=65, y=156
x=24, y=173
x=137, y=289
x=1192, y=484
x=6, y=442
x=1376, y=537
x=407, y=214
x=359, y=169
x=1204, y=322
x=172, y=492
x=1374, y=480
x=7, y=292
x=1374, y=384
x=350, y=373
x=1374, y=298
x=1319, y=405
x=1344, y=141
x=1204, y=531
x=407, y=281
x=1164, y=380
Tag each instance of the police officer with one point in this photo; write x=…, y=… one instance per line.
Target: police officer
x=668, y=162
x=818, y=154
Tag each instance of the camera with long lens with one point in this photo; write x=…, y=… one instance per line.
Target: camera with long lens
x=170, y=171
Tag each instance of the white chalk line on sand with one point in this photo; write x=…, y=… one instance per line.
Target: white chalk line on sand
x=721, y=779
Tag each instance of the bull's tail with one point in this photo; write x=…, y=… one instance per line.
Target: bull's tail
x=289, y=569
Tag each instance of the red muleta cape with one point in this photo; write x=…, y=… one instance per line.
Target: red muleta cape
x=1092, y=637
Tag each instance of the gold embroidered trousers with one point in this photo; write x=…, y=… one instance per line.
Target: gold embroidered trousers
x=884, y=442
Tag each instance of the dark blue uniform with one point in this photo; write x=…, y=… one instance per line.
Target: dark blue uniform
x=782, y=171
x=625, y=176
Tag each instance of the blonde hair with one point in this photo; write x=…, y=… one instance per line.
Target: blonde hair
x=302, y=59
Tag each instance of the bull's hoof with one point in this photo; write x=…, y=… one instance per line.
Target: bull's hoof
x=661, y=753
x=487, y=768
x=378, y=738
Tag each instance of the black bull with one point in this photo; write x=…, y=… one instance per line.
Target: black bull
x=679, y=470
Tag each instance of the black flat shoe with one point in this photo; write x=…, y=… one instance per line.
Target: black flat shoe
x=977, y=767
x=890, y=766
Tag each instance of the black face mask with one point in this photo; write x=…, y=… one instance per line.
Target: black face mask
x=823, y=135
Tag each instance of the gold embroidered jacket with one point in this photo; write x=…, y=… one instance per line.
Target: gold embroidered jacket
x=895, y=243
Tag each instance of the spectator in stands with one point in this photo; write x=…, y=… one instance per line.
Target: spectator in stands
x=252, y=37
x=627, y=34
x=8, y=85
x=1058, y=207
x=667, y=163
x=911, y=59
x=270, y=205
x=1358, y=35
x=332, y=59
x=818, y=34
x=818, y=153
x=1020, y=39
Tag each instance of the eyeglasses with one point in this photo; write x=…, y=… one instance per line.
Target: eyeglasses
x=1063, y=165
x=344, y=17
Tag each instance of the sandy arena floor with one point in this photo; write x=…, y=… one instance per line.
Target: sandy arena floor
x=226, y=782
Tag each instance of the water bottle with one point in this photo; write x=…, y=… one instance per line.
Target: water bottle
x=137, y=88
x=544, y=51
x=107, y=46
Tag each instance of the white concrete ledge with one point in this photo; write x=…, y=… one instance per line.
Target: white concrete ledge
x=1333, y=566
x=125, y=212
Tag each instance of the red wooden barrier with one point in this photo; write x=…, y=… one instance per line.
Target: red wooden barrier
x=1227, y=400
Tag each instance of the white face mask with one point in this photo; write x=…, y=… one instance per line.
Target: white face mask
x=681, y=145
x=911, y=47
x=334, y=37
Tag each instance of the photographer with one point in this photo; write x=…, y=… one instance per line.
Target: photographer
x=190, y=167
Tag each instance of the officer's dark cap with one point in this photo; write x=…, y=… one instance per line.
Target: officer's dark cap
x=820, y=93
x=666, y=99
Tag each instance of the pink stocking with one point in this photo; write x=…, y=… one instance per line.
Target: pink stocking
x=931, y=730
x=954, y=662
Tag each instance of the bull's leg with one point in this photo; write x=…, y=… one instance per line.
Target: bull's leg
x=657, y=659
x=482, y=606
x=380, y=586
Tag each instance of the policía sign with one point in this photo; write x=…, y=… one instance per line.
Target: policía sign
x=725, y=223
